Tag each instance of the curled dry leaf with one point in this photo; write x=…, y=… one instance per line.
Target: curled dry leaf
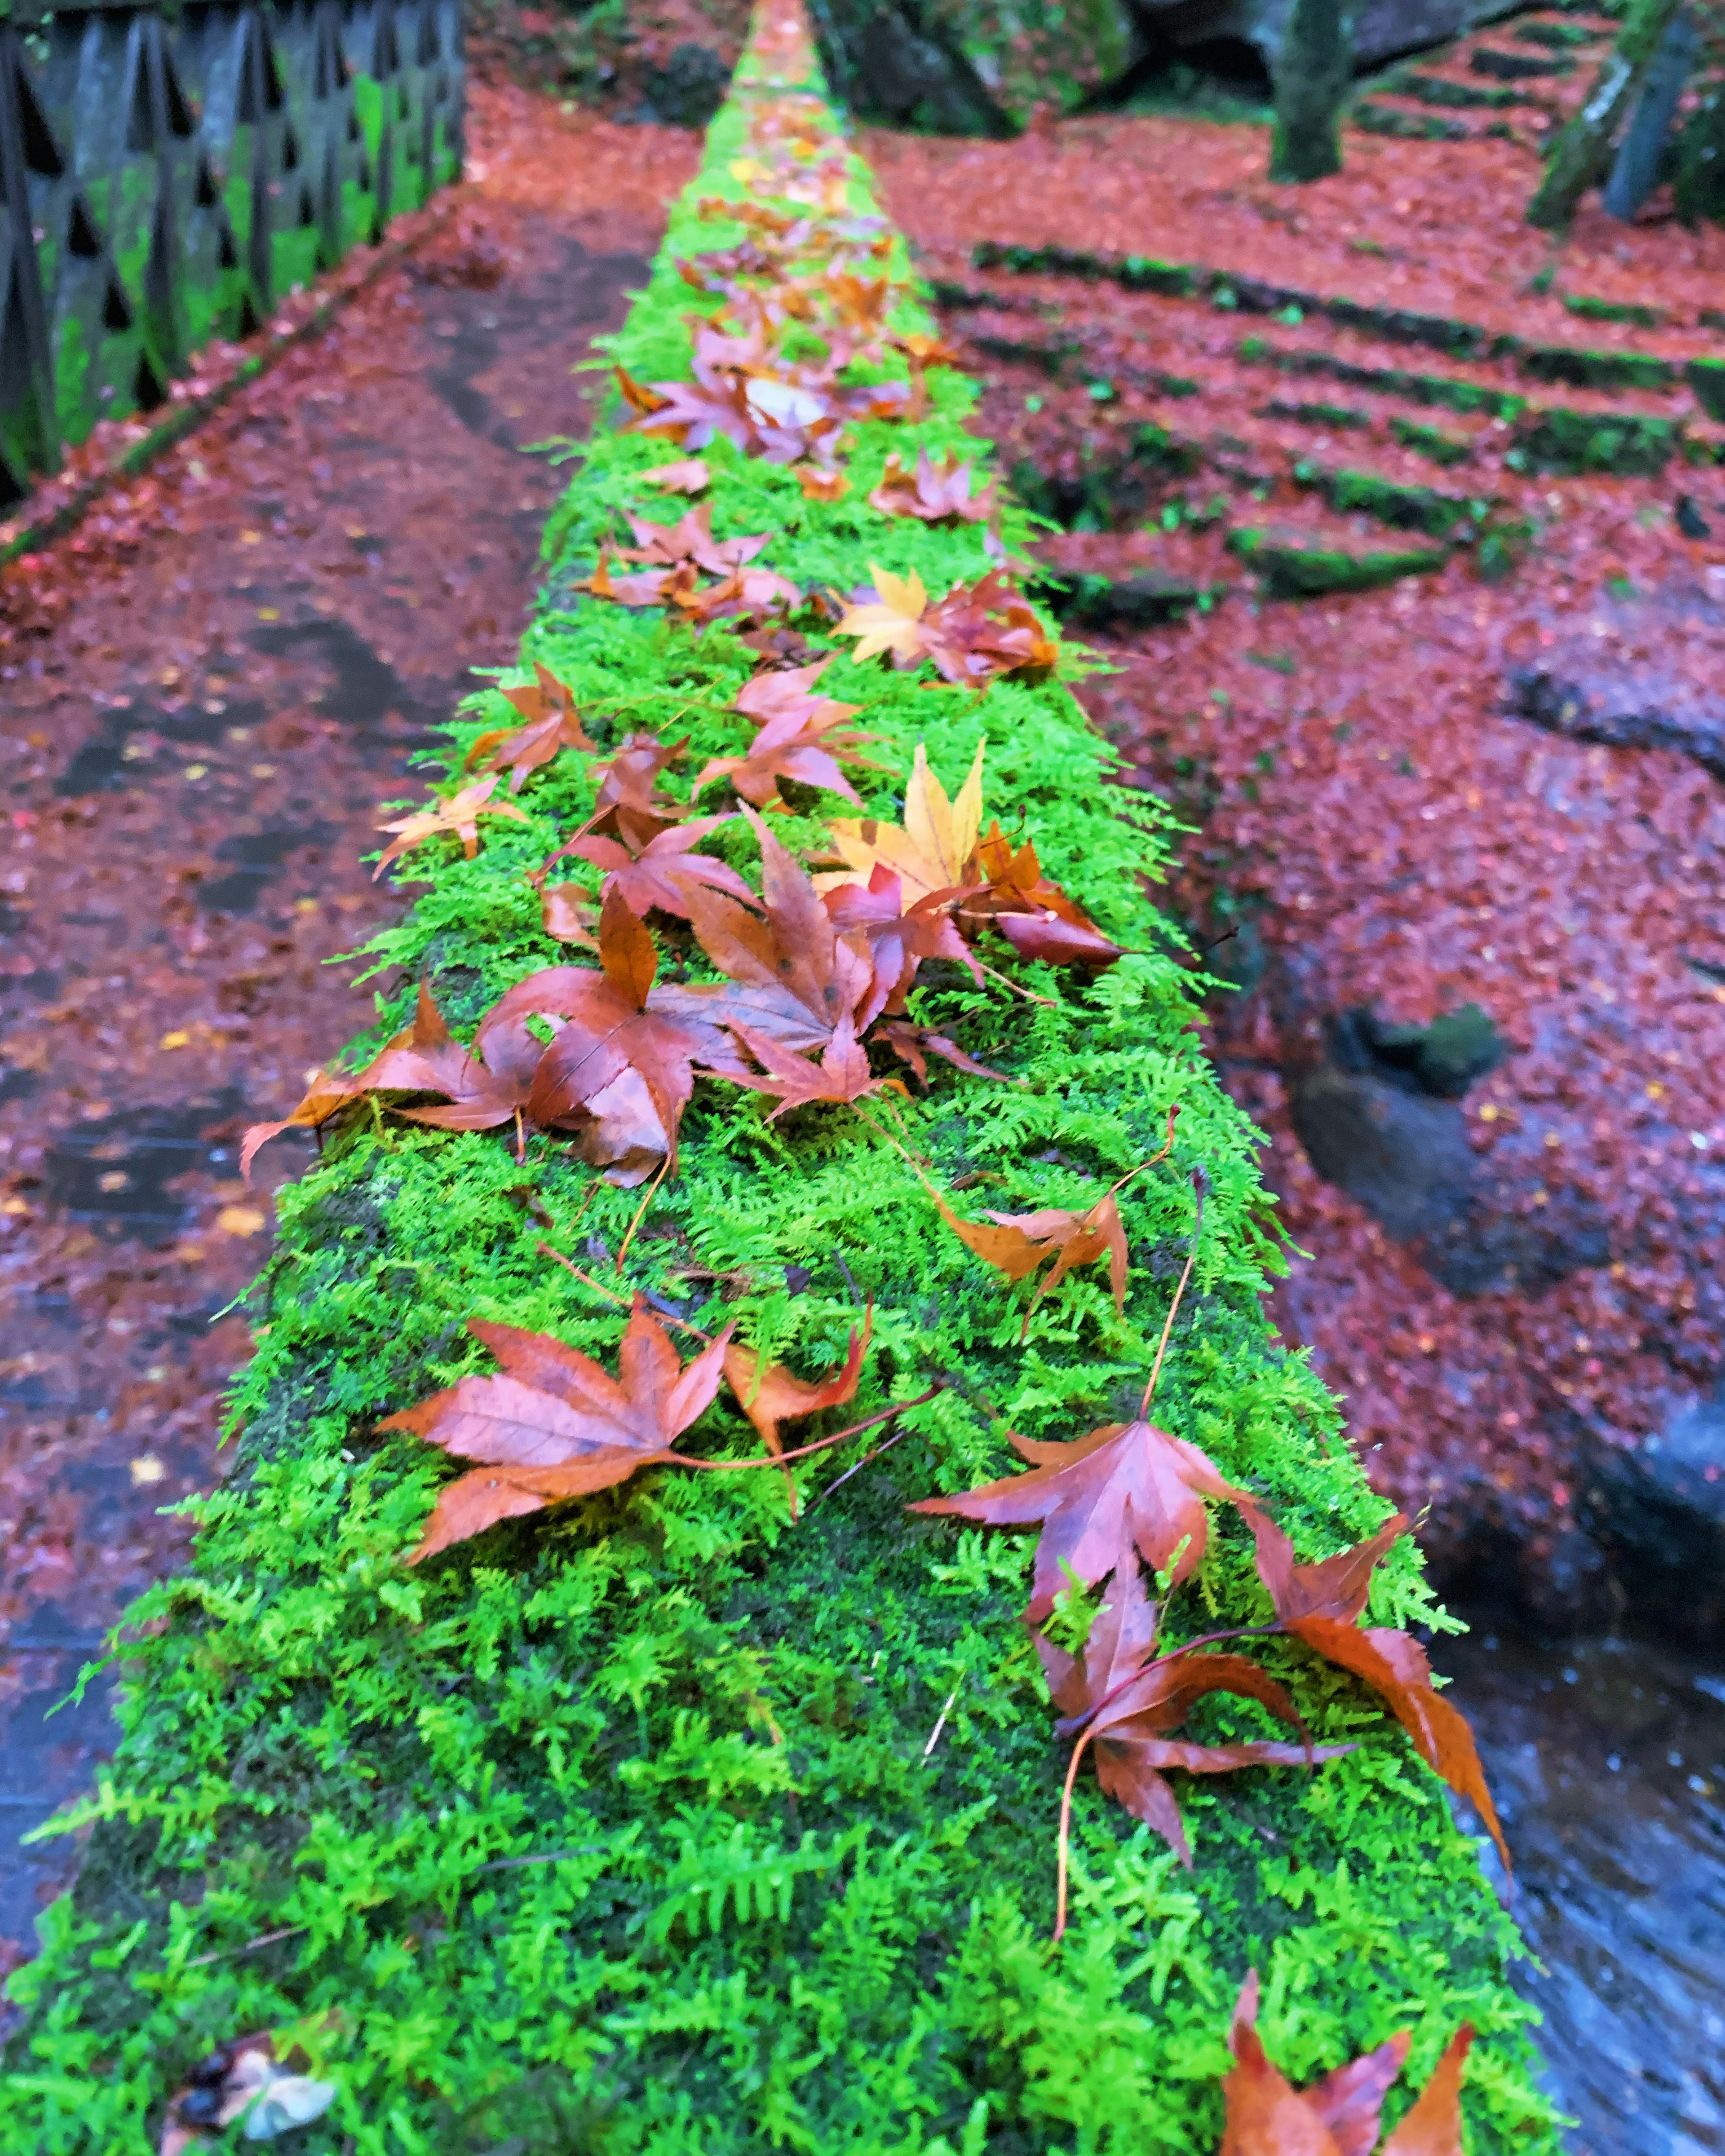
x=486, y=1084
x=1035, y=916
x=1124, y=1700
x=1018, y=1243
x=1321, y=1604
x=773, y=1395
x=936, y=493
x=457, y=817
x=685, y=475
x=914, y=1043
x=555, y=1425
x=818, y=485
x=899, y=937
x=547, y=710
x=567, y=912
x=1341, y=2114
x=1126, y=1487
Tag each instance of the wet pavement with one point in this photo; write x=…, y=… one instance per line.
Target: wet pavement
x=205, y=695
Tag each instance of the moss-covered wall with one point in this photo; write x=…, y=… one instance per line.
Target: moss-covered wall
x=661, y=1823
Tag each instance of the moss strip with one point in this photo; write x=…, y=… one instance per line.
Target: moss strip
x=661, y=1825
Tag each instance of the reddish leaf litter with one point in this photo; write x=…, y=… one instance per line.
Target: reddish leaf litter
x=1435, y=227
x=208, y=690
x=1527, y=1274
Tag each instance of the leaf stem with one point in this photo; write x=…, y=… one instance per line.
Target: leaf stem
x=1065, y=1835
x=1017, y=989
x=640, y=1210
x=819, y=1444
x=1174, y=1307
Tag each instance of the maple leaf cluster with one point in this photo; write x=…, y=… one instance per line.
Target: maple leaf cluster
x=1128, y=1492
x=553, y=1424
x=810, y=966
x=1339, y=2116
x=978, y=633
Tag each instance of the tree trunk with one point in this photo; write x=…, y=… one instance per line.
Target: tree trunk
x=1314, y=69
x=1581, y=155
x=1701, y=161
x=1637, y=168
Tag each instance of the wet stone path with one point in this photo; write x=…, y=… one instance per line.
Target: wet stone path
x=205, y=694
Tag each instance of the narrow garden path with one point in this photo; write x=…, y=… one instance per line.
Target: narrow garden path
x=209, y=689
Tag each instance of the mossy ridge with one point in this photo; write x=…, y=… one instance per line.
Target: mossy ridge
x=1580, y=366
x=622, y=1832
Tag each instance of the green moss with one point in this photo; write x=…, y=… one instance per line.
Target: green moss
x=1431, y=442
x=1439, y=90
x=1552, y=439
x=1613, y=310
x=1301, y=566
x=1391, y=501
x=1372, y=118
x=1597, y=370
x=1707, y=378
x=622, y=1829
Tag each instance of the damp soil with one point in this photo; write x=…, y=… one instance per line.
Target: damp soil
x=207, y=693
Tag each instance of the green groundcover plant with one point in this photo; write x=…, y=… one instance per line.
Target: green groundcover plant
x=717, y=1812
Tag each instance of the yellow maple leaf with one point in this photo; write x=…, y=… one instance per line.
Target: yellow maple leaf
x=931, y=851
x=892, y=623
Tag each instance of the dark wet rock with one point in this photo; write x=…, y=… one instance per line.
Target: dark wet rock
x=891, y=65
x=1379, y=1115
x=688, y=87
x=1658, y=1513
x=1624, y=680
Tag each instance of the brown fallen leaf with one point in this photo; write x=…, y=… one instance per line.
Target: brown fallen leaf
x=686, y=475
x=1340, y=2115
x=936, y=494
x=456, y=816
x=900, y=937
x=818, y=485
x=690, y=539
x=555, y=1425
x=659, y=873
x=550, y=725
x=567, y=912
x=1123, y=1698
x=774, y=1395
x=842, y=1074
x=1126, y=1486
x=1018, y=1242
x=485, y=1085
x=795, y=953
x=615, y=1023
x=798, y=737
x=1322, y=1604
